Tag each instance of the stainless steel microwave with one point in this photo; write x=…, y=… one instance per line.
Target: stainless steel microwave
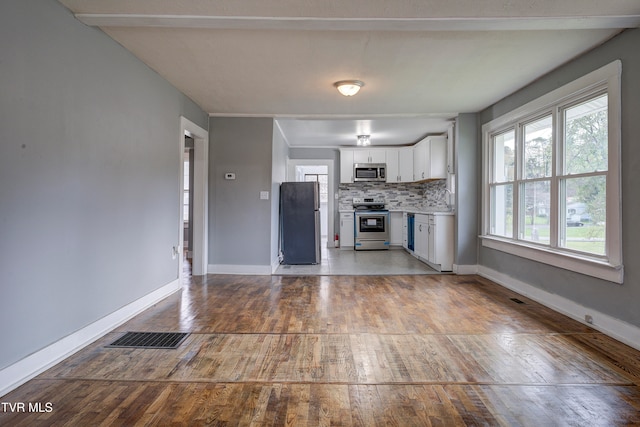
x=370, y=172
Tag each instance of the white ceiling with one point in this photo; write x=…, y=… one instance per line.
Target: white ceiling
x=422, y=61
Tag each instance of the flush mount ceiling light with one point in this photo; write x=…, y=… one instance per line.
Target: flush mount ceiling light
x=364, y=139
x=348, y=87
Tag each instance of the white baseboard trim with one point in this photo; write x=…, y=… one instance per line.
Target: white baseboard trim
x=274, y=265
x=25, y=369
x=252, y=270
x=465, y=269
x=608, y=325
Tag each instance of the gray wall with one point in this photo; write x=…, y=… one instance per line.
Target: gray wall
x=90, y=171
x=239, y=222
x=468, y=149
x=618, y=301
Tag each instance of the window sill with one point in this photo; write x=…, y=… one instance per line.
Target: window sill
x=568, y=261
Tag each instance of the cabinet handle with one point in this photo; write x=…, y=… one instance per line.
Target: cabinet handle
x=422, y=174
x=420, y=227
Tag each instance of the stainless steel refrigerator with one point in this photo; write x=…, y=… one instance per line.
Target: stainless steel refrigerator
x=300, y=222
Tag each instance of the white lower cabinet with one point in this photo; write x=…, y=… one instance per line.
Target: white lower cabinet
x=395, y=229
x=347, y=237
x=434, y=240
x=421, y=236
x=405, y=231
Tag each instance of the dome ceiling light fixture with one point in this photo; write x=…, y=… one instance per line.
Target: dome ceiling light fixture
x=348, y=87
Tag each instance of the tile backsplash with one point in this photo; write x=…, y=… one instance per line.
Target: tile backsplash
x=428, y=195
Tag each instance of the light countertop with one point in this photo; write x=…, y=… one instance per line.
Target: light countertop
x=427, y=211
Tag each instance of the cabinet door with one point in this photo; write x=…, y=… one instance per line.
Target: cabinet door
x=405, y=164
x=443, y=242
x=393, y=173
x=421, y=236
x=451, y=166
x=361, y=156
x=378, y=155
x=395, y=230
x=346, y=166
x=437, y=158
x=432, y=233
x=374, y=155
x=346, y=230
x=420, y=160
x=405, y=232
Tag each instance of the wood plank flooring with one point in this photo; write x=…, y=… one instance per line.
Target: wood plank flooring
x=435, y=350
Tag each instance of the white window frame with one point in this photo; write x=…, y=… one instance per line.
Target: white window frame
x=607, y=267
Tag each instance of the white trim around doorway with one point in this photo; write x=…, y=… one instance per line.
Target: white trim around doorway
x=291, y=173
x=200, y=200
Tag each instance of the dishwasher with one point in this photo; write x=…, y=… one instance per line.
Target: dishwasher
x=411, y=220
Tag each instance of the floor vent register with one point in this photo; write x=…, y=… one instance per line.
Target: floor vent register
x=166, y=340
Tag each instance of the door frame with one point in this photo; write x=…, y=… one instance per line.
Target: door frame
x=291, y=173
x=200, y=256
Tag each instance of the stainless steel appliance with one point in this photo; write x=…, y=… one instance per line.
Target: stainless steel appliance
x=411, y=220
x=371, y=224
x=300, y=222
x=363, y=172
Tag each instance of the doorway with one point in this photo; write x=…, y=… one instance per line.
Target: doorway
x=321, y=171
x=197, y=213
x=187, y=202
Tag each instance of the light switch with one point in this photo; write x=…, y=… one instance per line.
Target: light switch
x=264, y=195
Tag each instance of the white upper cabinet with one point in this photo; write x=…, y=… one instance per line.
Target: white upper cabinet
x=451, y=165
x=419, y=160
x=400, y=164
x=346, y=166
x=393, y=172
x=430, y=158
x=372, y=155
x=405, y=164
x=423, y=161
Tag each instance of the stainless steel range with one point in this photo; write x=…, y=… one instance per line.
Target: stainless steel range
x=371, y=224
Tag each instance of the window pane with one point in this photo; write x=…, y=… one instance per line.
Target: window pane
x=584, y=206
x=535, y=198
x=537, y=149
x=586, y=137
x=504, y=156
x=502, y=210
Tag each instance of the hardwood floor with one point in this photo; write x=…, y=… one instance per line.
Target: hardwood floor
x=439, y=350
